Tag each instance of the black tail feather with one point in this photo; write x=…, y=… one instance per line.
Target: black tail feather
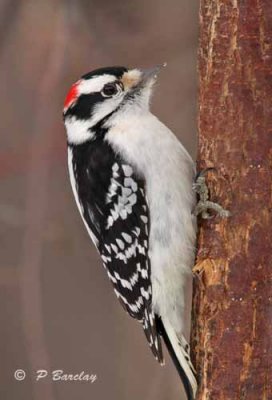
x=186, y=383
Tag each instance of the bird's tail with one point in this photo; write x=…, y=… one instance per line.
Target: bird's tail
x=179, y=352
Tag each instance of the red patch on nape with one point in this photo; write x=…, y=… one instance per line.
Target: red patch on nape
x=71, y=96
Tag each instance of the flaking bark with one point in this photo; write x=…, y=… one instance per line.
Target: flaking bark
x=232, y=333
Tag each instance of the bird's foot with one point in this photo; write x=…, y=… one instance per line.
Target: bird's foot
x=204, y=204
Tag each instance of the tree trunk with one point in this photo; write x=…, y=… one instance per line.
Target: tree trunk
x=232, y=333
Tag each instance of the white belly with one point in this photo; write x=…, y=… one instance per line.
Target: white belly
x=168, y=169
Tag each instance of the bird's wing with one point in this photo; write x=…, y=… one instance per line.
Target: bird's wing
x=115, y=212
x=125, y=249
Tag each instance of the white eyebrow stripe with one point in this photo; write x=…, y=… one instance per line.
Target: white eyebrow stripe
x=95, y=84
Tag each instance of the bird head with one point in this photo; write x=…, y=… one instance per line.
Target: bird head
x=99, y=94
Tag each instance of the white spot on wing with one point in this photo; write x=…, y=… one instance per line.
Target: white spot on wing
x=126, y=284
x=120, y=244
x=115, y=167
x=117, y=275
x=134, y=278
x=126, y=191
x=144, y=273
x=114, y=248
x=109, y=221
x=114, y=214
x=144, y=218
x=122, y=257
x=127, y=170
x=127, y=237
x=132, y=199
x=111, y=277
x=105, y=258
x=145, y=293
x=108, y=248
x=123, y=214
x=129, y=182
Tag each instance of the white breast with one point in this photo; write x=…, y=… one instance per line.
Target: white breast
x=169, y=171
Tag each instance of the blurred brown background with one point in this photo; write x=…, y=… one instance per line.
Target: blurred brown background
x=58, y=310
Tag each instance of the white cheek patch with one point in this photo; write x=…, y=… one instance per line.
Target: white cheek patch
x=95, y=84
x=78, y=131
x=104, y=108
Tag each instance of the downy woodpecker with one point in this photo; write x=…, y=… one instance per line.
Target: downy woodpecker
x=132, y=181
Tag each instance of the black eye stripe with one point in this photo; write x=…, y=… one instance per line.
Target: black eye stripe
x=83, y=108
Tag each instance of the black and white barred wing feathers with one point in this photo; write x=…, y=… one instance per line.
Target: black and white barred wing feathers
x=124, y=249
x=115, y=211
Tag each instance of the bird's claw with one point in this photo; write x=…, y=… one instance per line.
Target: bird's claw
x=204, y=204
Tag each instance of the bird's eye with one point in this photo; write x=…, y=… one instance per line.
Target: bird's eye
x=110, y=89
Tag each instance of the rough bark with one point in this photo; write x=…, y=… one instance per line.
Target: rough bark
x=232, y=335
